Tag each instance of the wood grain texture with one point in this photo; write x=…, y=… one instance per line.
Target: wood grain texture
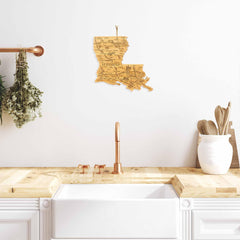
x=109, y=52
x=188, y=182
x=207, y=186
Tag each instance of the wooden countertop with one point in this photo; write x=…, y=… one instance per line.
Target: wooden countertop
x=188, y=182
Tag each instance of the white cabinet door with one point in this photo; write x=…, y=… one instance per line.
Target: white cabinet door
x=19, y=225
x=216, y=224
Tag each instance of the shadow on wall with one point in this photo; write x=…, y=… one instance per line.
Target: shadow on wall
x=192, y=151
x=41, y=145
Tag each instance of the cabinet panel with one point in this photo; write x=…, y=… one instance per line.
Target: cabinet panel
x=19, y=225
x=216, y=224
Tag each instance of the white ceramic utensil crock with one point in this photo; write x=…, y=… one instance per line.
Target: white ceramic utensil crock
x=215, y=153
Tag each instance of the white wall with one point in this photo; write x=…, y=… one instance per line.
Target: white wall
x=190, y=50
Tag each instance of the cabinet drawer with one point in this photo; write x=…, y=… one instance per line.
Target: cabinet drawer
x=19, y=225
x=216, y=224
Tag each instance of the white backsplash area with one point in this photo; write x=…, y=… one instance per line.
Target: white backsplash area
x=190, y=50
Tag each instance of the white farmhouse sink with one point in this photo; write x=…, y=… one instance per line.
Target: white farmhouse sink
x=115, y=211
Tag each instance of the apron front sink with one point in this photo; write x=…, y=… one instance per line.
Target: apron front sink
x=115, y=211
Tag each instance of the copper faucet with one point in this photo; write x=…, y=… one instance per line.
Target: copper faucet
x=117, y=165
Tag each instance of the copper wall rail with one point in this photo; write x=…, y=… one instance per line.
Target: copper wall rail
x=37, y=50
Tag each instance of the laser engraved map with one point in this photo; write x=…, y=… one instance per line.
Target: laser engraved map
x=109, y=52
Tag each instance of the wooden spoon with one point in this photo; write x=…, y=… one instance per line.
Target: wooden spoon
x=219, y=116
x=210, y=128
x=201, y=127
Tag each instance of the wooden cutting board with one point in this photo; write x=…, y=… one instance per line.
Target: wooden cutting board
x=232, y=140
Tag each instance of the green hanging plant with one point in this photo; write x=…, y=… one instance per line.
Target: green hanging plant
x=22, y=100
x=2, y=95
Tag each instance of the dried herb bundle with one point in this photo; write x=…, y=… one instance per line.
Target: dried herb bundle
x=22, y=100
x=2, y=95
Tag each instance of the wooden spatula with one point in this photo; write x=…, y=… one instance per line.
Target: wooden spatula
x=219, y=116
x=226, y=119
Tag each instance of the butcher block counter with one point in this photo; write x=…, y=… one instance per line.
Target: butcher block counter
x=188, y=182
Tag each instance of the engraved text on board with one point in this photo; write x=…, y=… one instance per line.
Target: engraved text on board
x=110, y=52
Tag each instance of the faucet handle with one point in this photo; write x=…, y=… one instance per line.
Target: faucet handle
x=99, y=167
x=83, y=167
